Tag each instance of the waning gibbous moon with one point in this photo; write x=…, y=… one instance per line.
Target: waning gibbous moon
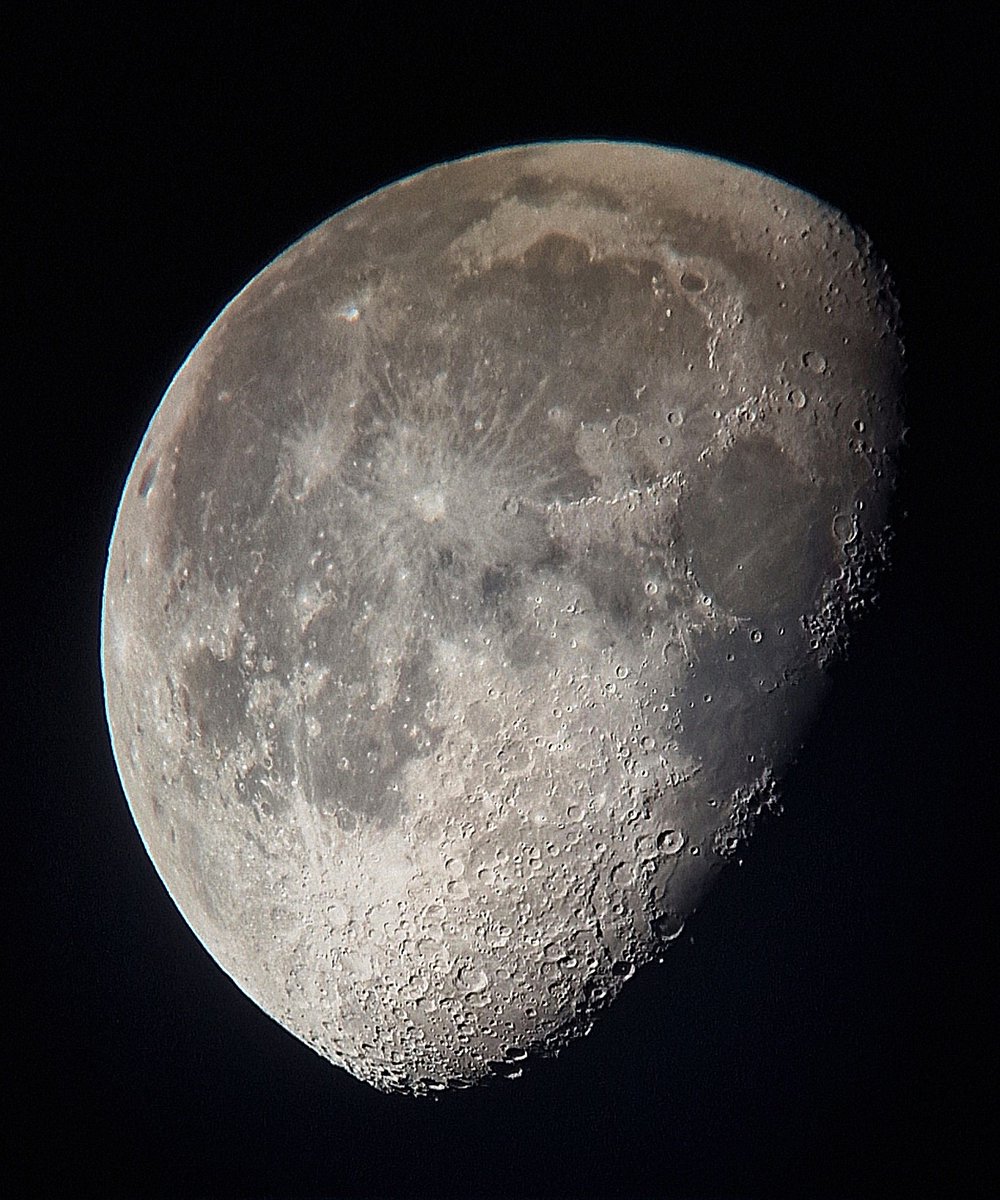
x=474, y=582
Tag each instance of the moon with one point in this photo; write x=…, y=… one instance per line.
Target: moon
x=475, y=581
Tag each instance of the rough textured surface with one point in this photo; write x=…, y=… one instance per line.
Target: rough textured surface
x=473, y=583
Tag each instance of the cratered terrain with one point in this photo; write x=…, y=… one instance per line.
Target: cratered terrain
x=474, y=583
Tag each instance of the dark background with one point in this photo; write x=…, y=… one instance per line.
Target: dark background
x=828, y=1029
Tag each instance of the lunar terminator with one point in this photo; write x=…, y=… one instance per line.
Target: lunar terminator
x=474, y=583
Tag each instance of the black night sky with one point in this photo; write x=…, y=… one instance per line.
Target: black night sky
x=825, y=1027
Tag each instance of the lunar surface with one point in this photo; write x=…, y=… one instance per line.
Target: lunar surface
x=474, y=583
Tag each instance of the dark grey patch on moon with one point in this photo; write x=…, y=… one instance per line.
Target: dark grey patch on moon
x=475, y=584
x=748, y=515
x=147, y=479
x=541, y=191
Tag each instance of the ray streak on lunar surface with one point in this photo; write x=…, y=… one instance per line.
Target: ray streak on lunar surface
x=474, y=582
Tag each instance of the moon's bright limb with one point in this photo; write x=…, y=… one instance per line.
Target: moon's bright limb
x=474, y=580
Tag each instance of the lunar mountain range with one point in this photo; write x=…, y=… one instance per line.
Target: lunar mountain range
x=474, y=582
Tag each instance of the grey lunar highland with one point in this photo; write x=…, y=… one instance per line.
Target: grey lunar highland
x=474, y=582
